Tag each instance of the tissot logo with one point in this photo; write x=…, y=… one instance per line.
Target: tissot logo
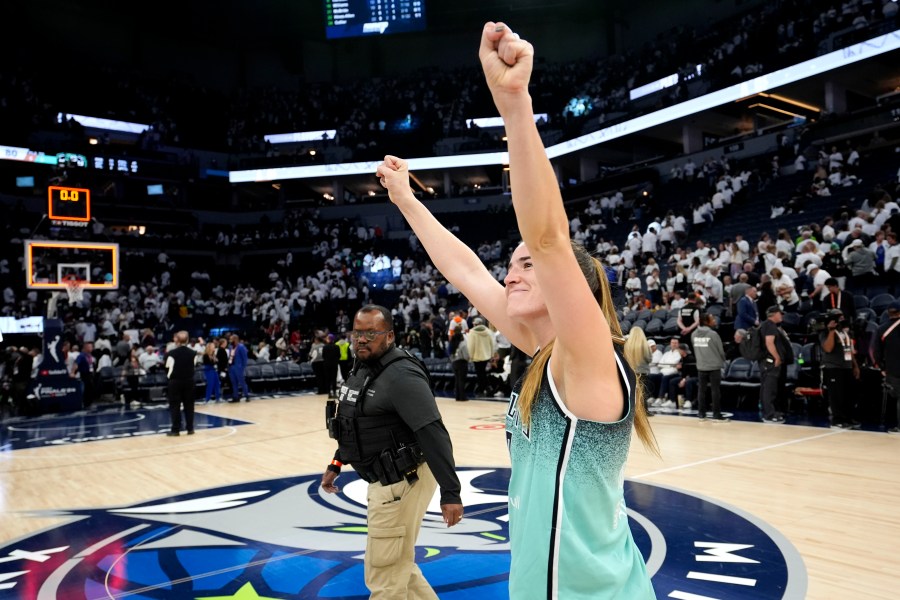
x=54, y=372
x=282, y=539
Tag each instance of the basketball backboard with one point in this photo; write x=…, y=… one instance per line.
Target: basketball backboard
x=49, y=264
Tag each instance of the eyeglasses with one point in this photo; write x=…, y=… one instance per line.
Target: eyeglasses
x=369, y=335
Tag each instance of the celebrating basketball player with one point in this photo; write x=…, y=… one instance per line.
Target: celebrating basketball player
x=570, y=417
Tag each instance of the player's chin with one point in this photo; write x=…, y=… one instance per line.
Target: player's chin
x=516, y=311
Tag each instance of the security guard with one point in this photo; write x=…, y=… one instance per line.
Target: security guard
x=388, y=428
x=180, y=373
x=886, y=351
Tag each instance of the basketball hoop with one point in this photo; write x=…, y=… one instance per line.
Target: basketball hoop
x=75, y=290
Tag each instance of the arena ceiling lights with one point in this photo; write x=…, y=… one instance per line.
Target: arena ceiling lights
x=104, y=124
x=299, y=137
x=816, y=66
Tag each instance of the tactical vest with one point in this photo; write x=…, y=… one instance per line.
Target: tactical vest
x=362, y=438
x=687, y=314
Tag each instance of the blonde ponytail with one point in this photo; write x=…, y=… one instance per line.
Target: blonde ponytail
x=595, y=274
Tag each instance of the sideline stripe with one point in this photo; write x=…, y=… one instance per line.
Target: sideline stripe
x=736, y=454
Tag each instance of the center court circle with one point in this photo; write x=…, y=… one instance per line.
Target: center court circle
x=282, y=538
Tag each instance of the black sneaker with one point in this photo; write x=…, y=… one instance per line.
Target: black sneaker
x=721, y=419
x=774, y=420
x=701, y=416
x=172, y=434
x=841, y=426
x=894, y=430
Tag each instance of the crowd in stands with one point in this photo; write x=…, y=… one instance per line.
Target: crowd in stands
x=655, y=267
x=664, y=259
x=438, y=103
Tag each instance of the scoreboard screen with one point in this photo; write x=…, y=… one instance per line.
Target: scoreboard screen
x=357, y=18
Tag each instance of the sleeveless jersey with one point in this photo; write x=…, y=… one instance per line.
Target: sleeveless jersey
x=568, y=527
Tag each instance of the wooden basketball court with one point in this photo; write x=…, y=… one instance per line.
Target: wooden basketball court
x=832, y=493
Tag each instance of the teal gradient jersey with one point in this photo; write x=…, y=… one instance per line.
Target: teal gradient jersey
x=568, y=527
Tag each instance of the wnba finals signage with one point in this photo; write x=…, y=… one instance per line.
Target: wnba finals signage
x=54, y=388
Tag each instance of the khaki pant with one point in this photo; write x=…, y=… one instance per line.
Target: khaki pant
x=395, y=516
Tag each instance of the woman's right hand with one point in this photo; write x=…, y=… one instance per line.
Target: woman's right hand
x=393, y=173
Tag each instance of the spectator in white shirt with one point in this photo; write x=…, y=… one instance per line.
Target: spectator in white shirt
x=648, y=244
x=149, y=359
x=632, y=284
x=654, y=294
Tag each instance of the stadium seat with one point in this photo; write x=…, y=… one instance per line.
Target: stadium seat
x=253, y=378
x=654, y=327
x=662, y=314
x=670, y=327
x=880, y=302
x=861, y=301
x=791, y=322
x=738, y=372
x=742, y=376
x=282, y=374
x=717, y=310
x=808, y=364
x=154, y=386
x=107, y=383
x=199, y=382
x=309, y=377
x=297, y=379
x=267, y=376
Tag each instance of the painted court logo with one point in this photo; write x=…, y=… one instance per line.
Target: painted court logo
x=282, y=539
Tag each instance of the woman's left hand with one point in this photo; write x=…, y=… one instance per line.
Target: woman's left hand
x=507, y=61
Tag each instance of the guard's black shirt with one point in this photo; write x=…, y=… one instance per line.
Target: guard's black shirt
x=182, y=359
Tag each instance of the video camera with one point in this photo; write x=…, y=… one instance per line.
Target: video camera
x=834, y=315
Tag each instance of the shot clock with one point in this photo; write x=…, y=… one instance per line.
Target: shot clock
x=68, y=205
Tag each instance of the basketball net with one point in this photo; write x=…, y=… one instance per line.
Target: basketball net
x=75, y=290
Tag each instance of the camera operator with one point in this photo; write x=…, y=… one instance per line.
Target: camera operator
x=886, y=351
x=839, y=368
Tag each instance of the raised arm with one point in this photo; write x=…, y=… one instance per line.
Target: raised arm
x=583, y=364
x=456, y=261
